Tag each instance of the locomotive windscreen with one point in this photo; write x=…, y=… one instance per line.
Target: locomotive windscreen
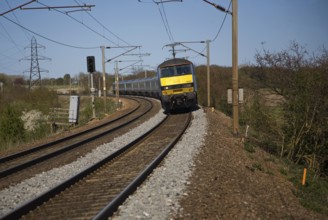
x=175, y=70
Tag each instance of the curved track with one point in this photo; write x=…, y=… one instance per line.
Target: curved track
x=12, y=168
x=99, y=190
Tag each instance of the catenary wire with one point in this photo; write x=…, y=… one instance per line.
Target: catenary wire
x=47, y=38
x=101, y=35
x=28, y=37
x=103, y=26
x=11, y=39
x=168, y=25
x=219, y=31
x=165, y=24
x=224, y=19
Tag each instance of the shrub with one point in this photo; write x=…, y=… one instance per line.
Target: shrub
x=302, y=81
x=11, y=125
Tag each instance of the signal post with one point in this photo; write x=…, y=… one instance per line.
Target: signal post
x=91, y=66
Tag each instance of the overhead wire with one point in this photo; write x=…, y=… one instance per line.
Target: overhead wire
x=17, y=22
x=11, y=39
x=14, y=14
x=169, y=29
x=17, y=7
x=8, y=58
x=103, y=26
x=78, y=2
x=8, y=34
x=219, y=31
x=47, y=38
x=224, y=19
x=101, y=35
x=164, y=20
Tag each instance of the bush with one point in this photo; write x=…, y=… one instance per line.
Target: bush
x=35, y=124
x=302, y=81
x=313, y=194
x=11, y=125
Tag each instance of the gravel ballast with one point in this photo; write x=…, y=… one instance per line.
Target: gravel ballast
x=162, y=190
x=158, y=197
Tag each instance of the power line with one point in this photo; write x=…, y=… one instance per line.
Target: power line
x=219, y=31
x=165, y=22
x=168, y=26
x=103, y=26
x=25, y=33
x=217, y=34
x=11, y=39
x=63, y=44
x=47, y=38
x=79, y=22
x=13, y=9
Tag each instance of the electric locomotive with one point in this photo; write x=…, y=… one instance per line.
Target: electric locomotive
x=177, y=83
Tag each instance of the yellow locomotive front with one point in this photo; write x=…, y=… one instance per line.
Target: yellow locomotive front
x=178, y=84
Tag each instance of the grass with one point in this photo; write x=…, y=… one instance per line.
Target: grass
x=249, y=147
x=257, y=166
x=283, y=171
x=85, y=115
x=314, y=194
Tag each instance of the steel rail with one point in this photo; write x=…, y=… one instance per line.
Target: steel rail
x=49, y=144
x=32, y=204
x=25, y=165
x=117, y=201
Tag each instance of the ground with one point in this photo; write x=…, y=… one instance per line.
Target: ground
x=232, y=183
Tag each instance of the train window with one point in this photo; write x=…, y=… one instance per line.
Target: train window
x=175, y=70
x=182, y=70
x=167, y=71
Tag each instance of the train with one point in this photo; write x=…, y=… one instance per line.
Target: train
x=174, y=85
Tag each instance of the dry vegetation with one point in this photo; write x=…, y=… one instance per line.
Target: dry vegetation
x=285, y=102
x=22, y=109
x=285, y=108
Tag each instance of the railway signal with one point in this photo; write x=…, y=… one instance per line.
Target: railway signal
x=91, y=66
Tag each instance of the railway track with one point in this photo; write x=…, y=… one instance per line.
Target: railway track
x=99, y=190
x=19, y=166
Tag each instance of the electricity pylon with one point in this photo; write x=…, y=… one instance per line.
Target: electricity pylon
x=35, y=70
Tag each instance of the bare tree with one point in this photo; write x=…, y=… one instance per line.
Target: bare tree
x=302, y=80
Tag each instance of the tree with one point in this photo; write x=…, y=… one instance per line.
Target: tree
x=19, y=81
x=67, y=79
x=302, y=81
x=59, y=81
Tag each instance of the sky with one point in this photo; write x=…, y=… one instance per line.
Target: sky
x=68, y=37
